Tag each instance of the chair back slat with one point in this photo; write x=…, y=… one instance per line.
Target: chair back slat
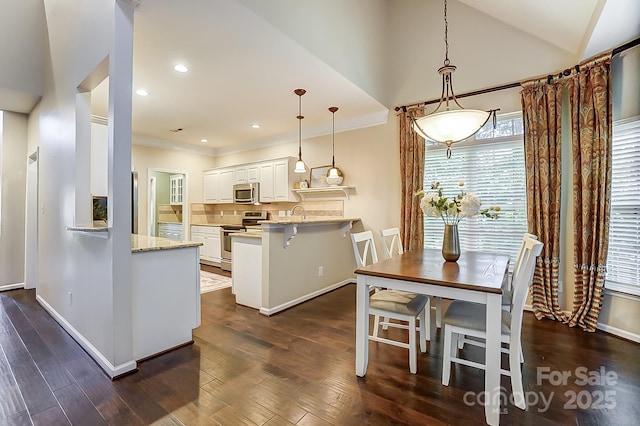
x=368, y=248
x=391, y=235
x=521, y=283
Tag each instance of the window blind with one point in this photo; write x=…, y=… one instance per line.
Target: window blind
x=623, y=259
x=495, y=172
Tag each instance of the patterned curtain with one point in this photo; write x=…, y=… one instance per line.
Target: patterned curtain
x=411, y=177
x=542, y=111
x=590, y=102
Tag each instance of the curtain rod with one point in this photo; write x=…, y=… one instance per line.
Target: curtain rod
x=615, y=51
x=464, y=95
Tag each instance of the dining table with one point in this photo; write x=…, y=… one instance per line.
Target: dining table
x=474, y=277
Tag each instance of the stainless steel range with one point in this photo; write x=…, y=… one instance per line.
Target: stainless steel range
x=251, y=217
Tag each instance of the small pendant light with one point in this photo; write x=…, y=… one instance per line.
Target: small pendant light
x=300, y=166
x=334, y=175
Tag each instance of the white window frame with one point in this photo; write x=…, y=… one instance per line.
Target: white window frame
x=477, y=233
x=624, y=247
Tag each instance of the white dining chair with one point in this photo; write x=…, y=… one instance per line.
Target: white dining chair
x=392, y=245
x=464, y=319
x=394, y=305
x=507, y=287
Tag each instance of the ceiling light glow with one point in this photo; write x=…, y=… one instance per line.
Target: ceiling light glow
x=204, y=140
x=142, y=92
x=255, y=126
x=181, y=68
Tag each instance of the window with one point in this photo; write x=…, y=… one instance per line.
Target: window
x=623, y=268
x=492, y=167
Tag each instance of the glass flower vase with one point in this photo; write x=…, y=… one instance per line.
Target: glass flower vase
x=450, y=243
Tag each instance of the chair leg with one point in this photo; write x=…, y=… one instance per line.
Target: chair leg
x=447, y=349
x=385, y=326
x=423, y=331
x=438, y=303
x=376, y=325
x=413, y=356
x=516, y=378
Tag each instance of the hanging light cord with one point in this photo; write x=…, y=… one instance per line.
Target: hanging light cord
x=446, y=36
x=333, y=138
x=300, y=92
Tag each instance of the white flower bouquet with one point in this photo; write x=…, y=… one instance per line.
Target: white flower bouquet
x=465, y=204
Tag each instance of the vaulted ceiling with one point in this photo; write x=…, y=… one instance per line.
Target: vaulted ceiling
x=245, y=59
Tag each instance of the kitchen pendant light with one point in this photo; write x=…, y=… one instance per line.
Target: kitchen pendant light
x=334, y=175
x=450, y=125
x=300, y=166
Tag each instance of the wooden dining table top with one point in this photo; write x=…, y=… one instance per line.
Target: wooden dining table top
x=479, y=271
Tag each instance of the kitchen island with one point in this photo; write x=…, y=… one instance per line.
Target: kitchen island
x=165, y=293
x=299, y=259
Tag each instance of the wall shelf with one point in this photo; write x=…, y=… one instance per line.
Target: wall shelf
x=325, y=192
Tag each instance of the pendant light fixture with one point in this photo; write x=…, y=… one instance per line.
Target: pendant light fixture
x=450, y=125
x=334, y=175
x=300, y=166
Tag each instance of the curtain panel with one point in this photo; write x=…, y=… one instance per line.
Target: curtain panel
x=591, y=118
x=411, y=178
x=542, y=115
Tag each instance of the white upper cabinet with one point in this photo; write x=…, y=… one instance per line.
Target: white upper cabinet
x=276, y=179
x=176, y=189
x=218, y=185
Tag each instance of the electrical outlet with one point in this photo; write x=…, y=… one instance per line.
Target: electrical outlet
x=221, y=213
x=320, y=271
x=282, y=213
x=70, y=297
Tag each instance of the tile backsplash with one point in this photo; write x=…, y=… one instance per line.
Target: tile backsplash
x=202, y=214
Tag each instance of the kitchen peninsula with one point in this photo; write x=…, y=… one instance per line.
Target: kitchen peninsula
x=299, y=259
x=166, y=293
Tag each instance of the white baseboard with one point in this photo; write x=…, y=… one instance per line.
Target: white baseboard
x=604, y=327
x=111, y=370
x=619, y=332
x=11, y=286
x=298, y=300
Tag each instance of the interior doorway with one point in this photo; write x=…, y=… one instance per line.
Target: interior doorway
x=167, y=203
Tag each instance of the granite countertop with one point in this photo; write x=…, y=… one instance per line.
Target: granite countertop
x=291, y=220
x=211, y=224
x=141, y=243
x=246, y=234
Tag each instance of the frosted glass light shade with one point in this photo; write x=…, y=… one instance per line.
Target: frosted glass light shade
x=450, y=126
x=300, y=167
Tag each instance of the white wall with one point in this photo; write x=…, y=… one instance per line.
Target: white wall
x=84, y=282
x=13, y=174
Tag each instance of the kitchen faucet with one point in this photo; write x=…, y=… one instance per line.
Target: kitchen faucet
x=304, y=212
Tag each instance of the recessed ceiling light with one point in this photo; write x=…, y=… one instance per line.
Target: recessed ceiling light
x=141, y=92
x=255, y=126
x=204, y=140
x=181, y=68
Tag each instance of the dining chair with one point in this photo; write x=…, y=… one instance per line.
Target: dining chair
x=394, y=304
x=392, y=244
x=464, y=319
x=507, y=287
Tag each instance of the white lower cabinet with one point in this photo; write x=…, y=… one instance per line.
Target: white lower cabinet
x=209, y=236
x=171, y=230
x=246, y=264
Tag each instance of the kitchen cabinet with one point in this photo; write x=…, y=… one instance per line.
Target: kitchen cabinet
x=218, y=185
x=209, y=236
x=176, y=189
x=172, y=231
x=276, y=180
x=247, y=280
x=247, y=173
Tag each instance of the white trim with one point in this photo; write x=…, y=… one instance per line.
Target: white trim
x=622, y=294
x=172, y=146
x=11, y=286
x=309, y=296
x=111, y=370
x=619, y=332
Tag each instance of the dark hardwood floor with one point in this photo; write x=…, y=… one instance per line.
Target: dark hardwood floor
x=297, y=367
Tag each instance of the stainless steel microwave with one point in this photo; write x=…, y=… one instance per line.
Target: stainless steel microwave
x=246, y=193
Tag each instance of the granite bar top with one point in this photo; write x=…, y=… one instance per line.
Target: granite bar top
x=141, y=243
x=297, y=220
x=247, y=234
